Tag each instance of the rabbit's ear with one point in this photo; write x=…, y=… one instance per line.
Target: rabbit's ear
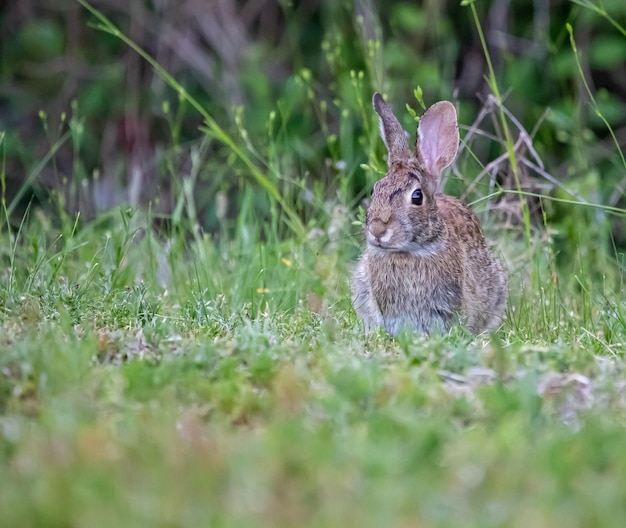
x=391, y=131
x=437, y=139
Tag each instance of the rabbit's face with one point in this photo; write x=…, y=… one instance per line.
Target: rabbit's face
x=403, y=213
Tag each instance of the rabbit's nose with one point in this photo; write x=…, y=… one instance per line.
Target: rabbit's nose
x=377, y=228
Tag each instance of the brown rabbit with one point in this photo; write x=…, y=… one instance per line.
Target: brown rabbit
x=426, y=261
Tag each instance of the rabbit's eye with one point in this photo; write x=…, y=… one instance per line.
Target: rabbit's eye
x=416, y=197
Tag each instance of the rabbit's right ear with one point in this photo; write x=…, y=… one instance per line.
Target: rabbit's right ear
x=391, y=131
x=437, y=139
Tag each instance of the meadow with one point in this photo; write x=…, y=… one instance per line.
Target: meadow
x=191, y=357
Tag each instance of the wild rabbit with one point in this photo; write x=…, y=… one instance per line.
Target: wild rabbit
x=426, y=262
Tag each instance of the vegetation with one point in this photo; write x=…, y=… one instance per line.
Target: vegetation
x=181, y=212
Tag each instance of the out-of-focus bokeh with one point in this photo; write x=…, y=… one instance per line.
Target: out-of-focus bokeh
x=88, y=123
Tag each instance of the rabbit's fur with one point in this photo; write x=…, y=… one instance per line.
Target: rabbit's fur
x=426, y=264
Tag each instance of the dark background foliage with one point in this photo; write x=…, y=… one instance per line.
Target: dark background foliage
x=294, y=78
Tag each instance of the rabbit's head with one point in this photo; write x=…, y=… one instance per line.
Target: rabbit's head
x=403, y=214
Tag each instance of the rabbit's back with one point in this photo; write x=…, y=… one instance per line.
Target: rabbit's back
x=485, y=283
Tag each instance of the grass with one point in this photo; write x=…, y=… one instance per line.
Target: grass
x=168, y=377
x=229, y=384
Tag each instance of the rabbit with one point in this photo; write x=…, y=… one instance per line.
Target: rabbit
x=426, y=264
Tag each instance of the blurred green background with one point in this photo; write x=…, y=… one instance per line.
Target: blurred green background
x=89, y=125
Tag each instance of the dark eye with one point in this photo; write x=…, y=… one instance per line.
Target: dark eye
x=416, y=197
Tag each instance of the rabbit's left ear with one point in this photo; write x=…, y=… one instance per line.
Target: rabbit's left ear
x=437, y=140
x=391, y=131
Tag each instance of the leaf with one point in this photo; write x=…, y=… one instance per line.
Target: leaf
x=419, y=95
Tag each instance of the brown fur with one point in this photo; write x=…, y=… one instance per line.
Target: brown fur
x=425, y=265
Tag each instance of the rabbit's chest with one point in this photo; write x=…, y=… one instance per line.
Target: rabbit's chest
x=421, y=292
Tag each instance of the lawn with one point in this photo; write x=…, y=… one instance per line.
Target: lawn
x=159, y=371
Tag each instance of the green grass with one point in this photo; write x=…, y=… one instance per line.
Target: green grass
x=240, y=391
x=153, y=374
